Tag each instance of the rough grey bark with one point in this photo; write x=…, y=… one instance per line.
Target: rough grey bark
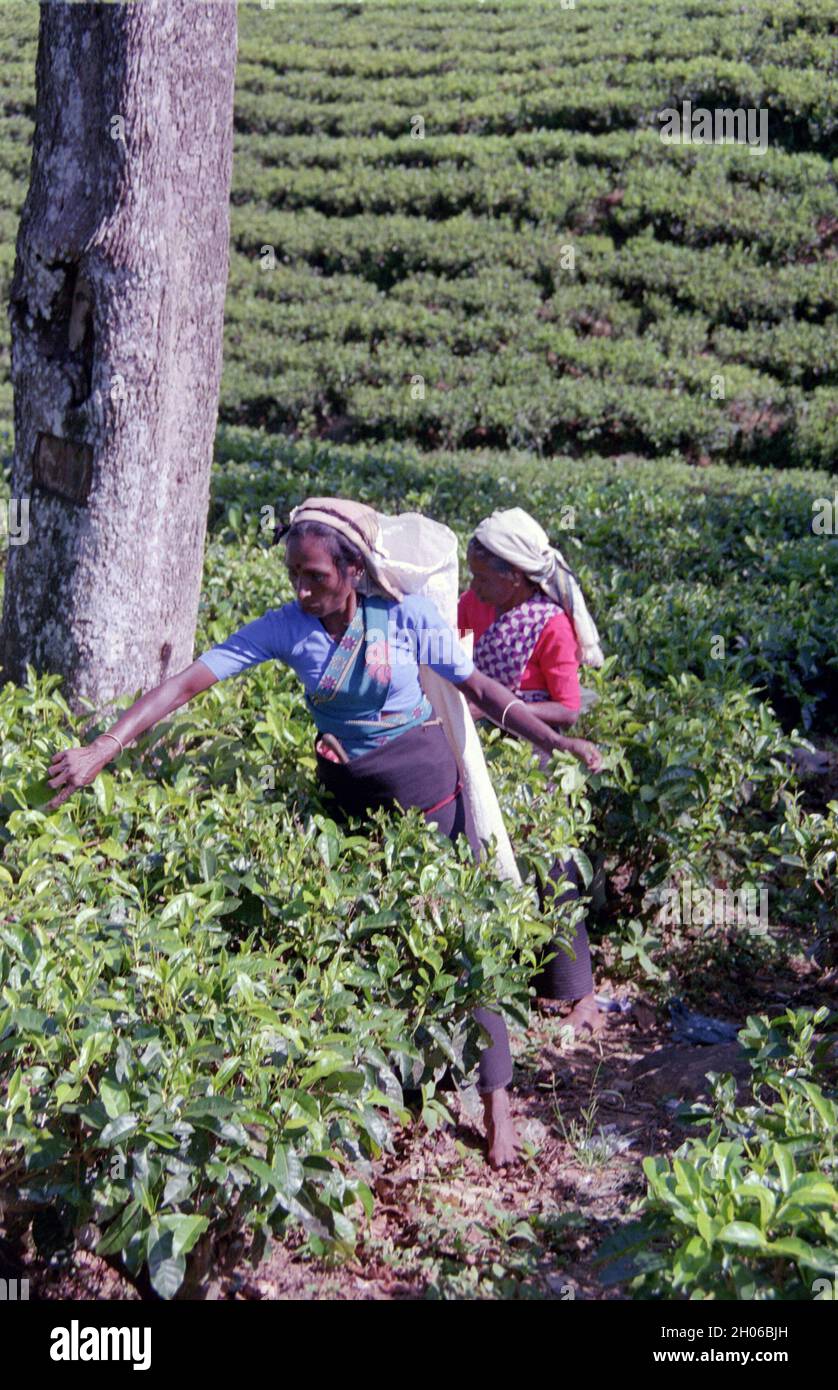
x=116, y=311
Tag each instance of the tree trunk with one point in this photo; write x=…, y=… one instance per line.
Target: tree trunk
x=116, y=308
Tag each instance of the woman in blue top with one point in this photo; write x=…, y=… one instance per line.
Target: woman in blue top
x=356, y=644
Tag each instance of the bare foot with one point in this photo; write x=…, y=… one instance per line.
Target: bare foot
x=502, y=1142
x=584, y=1014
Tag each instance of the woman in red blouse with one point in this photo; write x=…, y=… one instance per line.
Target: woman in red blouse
x=518, y=614
x=552, y=666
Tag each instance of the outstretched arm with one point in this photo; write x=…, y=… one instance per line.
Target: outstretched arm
x=494, y=698
x=556, y=665
x=550, y=711
x=76, y=767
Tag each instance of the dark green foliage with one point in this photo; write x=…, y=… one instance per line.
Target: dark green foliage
x=749, y=1210
x=210, y=1006
x=444, y=257
x=210, y=997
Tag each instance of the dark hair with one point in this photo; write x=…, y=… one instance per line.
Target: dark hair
x=342, y=551
x=489, y=556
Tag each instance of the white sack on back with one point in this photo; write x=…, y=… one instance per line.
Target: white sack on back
x=421, y=555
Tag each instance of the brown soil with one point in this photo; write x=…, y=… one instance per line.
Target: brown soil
x=446, y=1225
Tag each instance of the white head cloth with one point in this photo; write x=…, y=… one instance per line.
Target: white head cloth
x=516, y=537
x=361, y=525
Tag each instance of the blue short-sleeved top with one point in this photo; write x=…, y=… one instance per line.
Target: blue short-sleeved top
x=416, y=633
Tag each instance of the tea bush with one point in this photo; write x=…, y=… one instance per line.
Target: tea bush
x=212, y=997
x=209, y=996
x=367, y=251
x=750, y=1210
x=704, y=652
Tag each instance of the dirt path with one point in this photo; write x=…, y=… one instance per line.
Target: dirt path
x=447, y=1226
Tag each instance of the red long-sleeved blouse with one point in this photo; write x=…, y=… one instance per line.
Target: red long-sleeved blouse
x=552, y=665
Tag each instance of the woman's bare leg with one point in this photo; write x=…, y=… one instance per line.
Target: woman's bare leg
x=495, y=1065
x=584, y=1014
x=502, y=1142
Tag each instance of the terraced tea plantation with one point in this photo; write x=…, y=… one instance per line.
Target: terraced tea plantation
x=460, y=225
x=468, y=273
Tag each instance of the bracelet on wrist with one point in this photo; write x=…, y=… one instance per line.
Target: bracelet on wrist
x=116, y=738
x=515, y=701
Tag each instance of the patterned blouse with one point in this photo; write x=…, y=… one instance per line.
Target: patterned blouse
x=552, y=666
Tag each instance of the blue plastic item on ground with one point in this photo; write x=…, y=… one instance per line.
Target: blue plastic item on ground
x=691, y=1027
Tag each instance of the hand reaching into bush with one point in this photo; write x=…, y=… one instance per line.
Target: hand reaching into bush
x=76, y=767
